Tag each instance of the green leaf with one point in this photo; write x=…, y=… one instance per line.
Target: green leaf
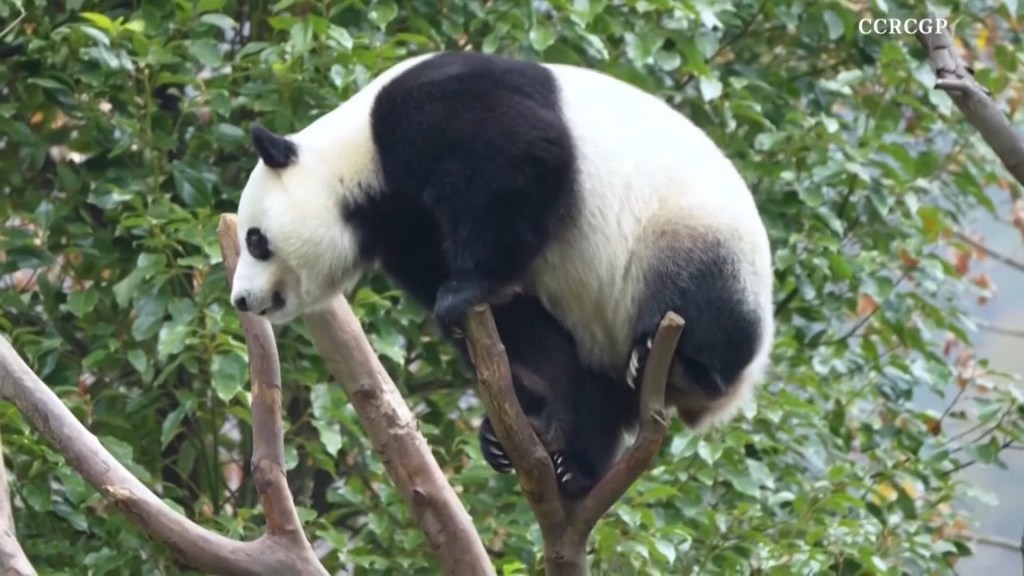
x=100, y=20
x=835, y=25
x=205, y=52
x=666, y=549
x=340, y=36
x=382, y=13
x=173, y=337
x=37, y=495
x=710, y=88
x=82, y=302
x=839, y=266
x=228, y=375
x=542, y=36
x=138, y=360
x=171, y=424
x=301, y=36
x=210, y=5
x=222, y=21
x=330, y=437
x=149, y=314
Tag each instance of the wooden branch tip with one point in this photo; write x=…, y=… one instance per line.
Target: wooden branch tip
x=956, y=78
x=192, y=544
x=653, y=427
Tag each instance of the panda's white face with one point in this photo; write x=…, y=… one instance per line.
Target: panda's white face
x=296, y=252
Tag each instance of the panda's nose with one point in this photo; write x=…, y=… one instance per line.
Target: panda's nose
x=242, y=304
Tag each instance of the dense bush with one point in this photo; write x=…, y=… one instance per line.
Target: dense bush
x=123, y=137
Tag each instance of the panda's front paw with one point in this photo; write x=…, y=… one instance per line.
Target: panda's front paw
x=494, y=453
x=454, y=300
x=571, y=480
x=638, y=360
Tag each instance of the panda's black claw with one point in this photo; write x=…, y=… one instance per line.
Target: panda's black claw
x=492, y=450
x=572, y=482
x=631, y=371
x=638, y=360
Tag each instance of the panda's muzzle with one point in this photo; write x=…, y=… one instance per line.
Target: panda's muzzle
x=247, y=303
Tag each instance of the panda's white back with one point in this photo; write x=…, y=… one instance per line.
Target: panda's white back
x=645, y=172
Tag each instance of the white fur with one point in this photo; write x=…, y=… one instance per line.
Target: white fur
x=645, y=171
x=298, y=209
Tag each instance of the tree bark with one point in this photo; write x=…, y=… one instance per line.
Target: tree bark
x=566, y=524
x=395, y=435
x=955, y=78
x=13, y=561
x=194, y=544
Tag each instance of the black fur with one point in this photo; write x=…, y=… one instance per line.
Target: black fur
x=480, y=142
x=276, y=151
x=478, y=174
x=579, y=414
x=699, y=282
x=257, y=244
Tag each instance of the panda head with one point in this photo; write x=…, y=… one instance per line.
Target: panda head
x=295, y=251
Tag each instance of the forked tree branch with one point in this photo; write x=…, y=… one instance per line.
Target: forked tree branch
x=566, y=524
x=193, y=544
x=954, y=77
x=13, y=561
x=394, y=433
x=283, y=549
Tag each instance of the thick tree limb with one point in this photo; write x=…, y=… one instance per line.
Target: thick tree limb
x=396, y=439
x=13, y=561
x=953, y=76
x=566, y=524
x=195, y=545
x=282, y=550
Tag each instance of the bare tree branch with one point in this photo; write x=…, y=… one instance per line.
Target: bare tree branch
x=394, y=433
x=1015, y=264
x=199, y=547
x=1000, y=330
x=566, y=524
x=13, y=561
x=268, y=433
x=282, y=550
x=955, y=78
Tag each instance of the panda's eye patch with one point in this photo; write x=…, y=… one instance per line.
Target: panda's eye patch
x=257, y=244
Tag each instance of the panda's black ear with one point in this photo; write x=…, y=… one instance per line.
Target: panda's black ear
x=275, y=151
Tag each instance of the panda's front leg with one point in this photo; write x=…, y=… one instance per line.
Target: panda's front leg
x=456, y=297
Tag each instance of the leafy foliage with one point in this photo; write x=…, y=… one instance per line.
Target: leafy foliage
x=123, y=138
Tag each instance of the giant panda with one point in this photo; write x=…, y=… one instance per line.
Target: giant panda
x=581, y=207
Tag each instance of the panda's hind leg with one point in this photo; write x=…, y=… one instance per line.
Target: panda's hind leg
x=577, y=413
x=573, y=480
x=701, y=280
